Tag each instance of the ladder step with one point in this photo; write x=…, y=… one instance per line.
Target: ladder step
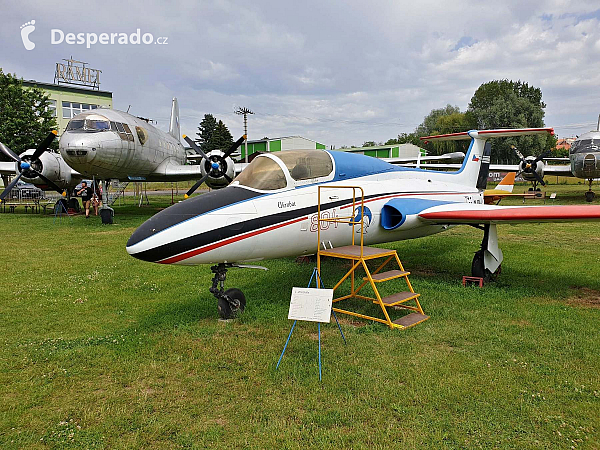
x=398, y=298
x=410, y=320
x=389, y=275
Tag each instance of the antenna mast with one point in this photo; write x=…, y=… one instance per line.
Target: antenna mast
x=244, y=112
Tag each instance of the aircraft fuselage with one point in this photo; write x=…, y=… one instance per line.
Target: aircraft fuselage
x=238, y=223
x=110, y=144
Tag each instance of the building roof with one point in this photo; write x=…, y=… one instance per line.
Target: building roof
x=254, y=141
x=66, y=87
x=378, y=147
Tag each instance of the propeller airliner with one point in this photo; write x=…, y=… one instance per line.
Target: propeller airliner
x=270, y=211
x=108, y=144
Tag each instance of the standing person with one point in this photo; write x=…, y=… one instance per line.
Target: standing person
x=96, y=198
x=86, y=197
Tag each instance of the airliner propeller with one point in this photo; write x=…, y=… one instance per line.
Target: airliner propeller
x=216, y=165
x=529, y=166
x=29, y=166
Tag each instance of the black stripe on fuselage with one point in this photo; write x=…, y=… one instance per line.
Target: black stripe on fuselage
x=202, y=239
x=199, y=240
x=188, y=209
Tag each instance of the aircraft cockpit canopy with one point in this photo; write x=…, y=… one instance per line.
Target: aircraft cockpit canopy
x=585, y=146
x=267, y=174
x=90, y=122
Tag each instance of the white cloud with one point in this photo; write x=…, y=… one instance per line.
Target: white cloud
x=340, y=72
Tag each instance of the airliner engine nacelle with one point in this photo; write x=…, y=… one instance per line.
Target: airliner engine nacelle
x=218, y=170
x=49, y=165
x=529, y=166
x=532, y=167
x=217, y=167
x=32, y=164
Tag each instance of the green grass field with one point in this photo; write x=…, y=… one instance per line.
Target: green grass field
x=100, y=350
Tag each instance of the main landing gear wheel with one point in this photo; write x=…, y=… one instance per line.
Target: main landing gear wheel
x=589, y=196
x=478, y=268
x=232, y=307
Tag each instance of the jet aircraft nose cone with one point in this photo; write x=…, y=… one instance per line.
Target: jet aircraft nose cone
x=162, y=237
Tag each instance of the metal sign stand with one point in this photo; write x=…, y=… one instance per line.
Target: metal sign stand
x=59, y=208
x=319, y=284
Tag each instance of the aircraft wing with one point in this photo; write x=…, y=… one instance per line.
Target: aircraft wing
x=548, y=169
x=7, y=168
x=171, y=171
x=455, y=156
x=474, y=213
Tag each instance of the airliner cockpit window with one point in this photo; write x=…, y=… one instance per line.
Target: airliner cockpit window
x=263, y=173
x=98, y=125
x=93, y=122
x=75, y=125
x=585, y=146
x=306, y=164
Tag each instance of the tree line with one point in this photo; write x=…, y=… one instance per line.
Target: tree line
x=25, y=120
x=495, y=104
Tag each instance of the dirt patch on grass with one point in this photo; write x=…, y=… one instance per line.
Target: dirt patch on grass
x=352, y=322
x=424, y=272
x=585, y=298
x=520, y=323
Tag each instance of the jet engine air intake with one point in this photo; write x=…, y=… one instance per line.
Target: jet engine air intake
x=403, y=212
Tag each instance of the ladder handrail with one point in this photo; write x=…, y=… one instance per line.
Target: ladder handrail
x=339, y=219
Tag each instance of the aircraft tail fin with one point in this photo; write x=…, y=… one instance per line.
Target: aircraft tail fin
x=174, y=129
x=507, y=183
x=477, y=160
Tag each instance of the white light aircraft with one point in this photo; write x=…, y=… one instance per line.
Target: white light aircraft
x=270, y=210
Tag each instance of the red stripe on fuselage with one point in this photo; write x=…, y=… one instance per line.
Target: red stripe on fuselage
x=209, y=247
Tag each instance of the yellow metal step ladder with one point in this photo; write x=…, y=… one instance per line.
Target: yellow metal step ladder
x=359, y=255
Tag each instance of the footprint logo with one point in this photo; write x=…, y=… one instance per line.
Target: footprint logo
x=26, y=30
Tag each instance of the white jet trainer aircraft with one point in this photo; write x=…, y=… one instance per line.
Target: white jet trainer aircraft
x=270, y=210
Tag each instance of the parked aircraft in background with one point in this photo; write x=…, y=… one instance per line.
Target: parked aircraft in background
x=107, y=144
x=584, y=159
x=269, y=210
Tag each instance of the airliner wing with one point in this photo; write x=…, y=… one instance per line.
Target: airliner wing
x=7, y=168
x=172, y=171
x=474, y=213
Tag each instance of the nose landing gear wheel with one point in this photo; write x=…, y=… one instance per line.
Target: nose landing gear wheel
x=228, y=309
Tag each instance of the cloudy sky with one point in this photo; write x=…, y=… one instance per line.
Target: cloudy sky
x=339, y=72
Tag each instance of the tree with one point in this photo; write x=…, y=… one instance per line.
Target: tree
x=369, y=144
x=444, y=121
x=511, y=104
x=207, y=128
x=429, y=125
x=221, y=138
x=25, y=119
